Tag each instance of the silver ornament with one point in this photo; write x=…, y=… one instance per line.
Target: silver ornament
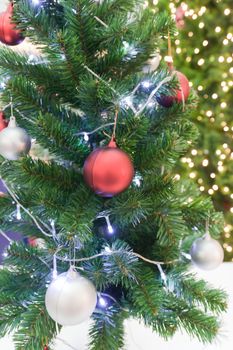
x=14, y=141
x=70, y=298
x=207, y=253
x=152, y=64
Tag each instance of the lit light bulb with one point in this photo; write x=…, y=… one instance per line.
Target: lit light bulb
x=18, y=212
x=110, y=228
x=226, y=189
x=221, y=59
x=201, y=61
x=146, y=84
x=86, y=137
x=209, y=113
x=194, y=152
x=102, y=302
x=192, y=175
x=205, y=162
x=227, y=12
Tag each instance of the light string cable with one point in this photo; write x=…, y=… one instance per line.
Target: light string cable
x=3, y=234
x=108, y=252
x=152, y=94
x=11, y=105
x=35, y=220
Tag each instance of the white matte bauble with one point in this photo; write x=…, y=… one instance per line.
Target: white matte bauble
x=14, y=141
x=70, y=298
x=207, y=253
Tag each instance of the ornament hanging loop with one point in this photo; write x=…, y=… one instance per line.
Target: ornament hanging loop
x=11, y=105
x=115, y=124
x=169, y=58
x=207, y=231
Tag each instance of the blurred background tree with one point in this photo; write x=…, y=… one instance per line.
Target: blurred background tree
x=203, y=51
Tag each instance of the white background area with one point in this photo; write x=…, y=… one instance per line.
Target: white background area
x=139, y=337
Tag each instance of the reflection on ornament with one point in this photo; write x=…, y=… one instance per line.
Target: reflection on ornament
x=70, y=298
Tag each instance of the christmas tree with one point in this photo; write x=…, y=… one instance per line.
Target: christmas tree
x=204, y=48
x=107, y=202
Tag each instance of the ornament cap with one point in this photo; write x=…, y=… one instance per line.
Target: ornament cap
x=12, y=122
x=72, y=273
x=112, y=143
x=207, y=236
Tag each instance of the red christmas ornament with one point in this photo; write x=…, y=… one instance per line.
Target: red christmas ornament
x=9, y=35
x=46, y=347
x=181, y=94
x=32, y=241
x=108, y=170
x=3, y=121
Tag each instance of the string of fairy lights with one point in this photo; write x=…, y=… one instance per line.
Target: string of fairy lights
x=224, y=152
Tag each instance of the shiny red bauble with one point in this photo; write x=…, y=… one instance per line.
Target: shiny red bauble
x=3, y=121
x=9, y=34
x=108, y=171
x=181, y=95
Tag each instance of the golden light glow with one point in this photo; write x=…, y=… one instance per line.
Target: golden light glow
x=227, y=12
x=218, y=29
x=205, y=162
x=201, y=61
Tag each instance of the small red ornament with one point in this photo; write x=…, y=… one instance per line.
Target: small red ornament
x=179, y=16
x=108, y=170
x=181, y=94
x=32, y=241
x=3, y=121
x=46, y=347
x=9, y=35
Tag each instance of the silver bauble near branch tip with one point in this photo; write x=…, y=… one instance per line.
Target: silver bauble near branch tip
x=14, y=141
x=70, y=298
x=207, y=253
x=152, y=64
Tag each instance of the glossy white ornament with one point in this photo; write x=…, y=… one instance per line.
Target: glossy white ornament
x=14, y=141
x=207, y=253
x=70, y=298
